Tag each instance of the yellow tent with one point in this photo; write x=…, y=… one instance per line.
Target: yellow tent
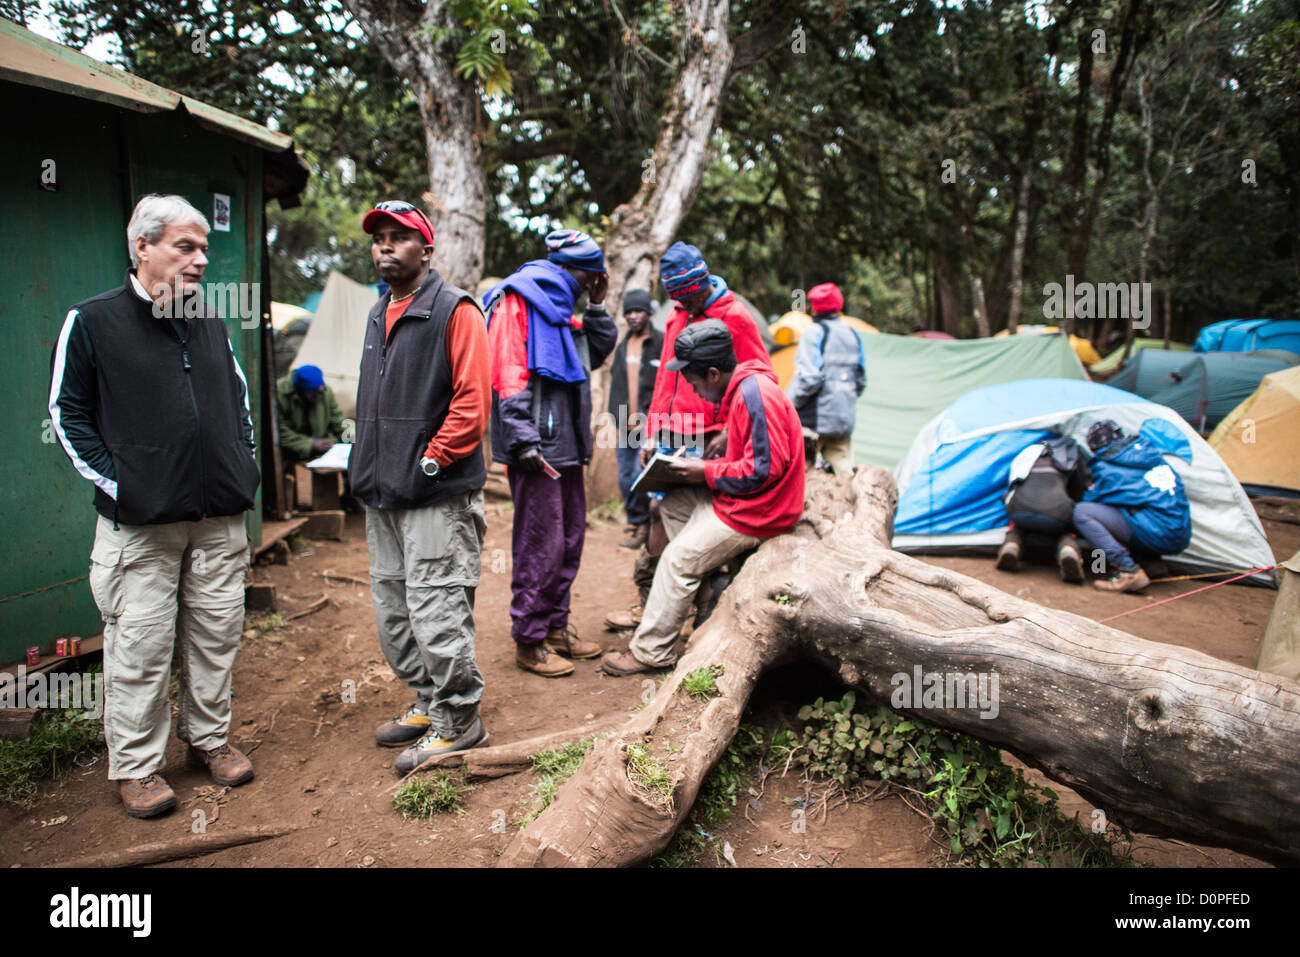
x=1082, y=347
x=1260, y=439
x=285, y=314
x=787, y=330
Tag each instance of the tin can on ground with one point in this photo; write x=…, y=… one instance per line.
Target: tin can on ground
x=61, y=647
x=74, y=646
x=33, y=657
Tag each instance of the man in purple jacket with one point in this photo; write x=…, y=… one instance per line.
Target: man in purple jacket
x=542, y=359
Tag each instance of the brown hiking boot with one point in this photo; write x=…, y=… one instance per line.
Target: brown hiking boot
x=227, y=766
x=620, y=664
x=1009, y=553
x=638, y=535
x=1126, y=579
x=566, y=643
x=538, y=659
x=1069, y=560
x=623, y=620
x=148, y=796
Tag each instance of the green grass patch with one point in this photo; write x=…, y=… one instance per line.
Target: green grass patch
x=436, y=792
x=702, y=683
x=53, y=742
x=267, y=622
x=610, y=510
x=649, y=774
x=555, y=767
x=721, y=789
x=992, y=815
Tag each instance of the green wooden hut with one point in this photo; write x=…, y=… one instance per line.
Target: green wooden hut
x=85, y=142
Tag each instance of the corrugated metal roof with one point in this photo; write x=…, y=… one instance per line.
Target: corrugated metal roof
x=32, y=60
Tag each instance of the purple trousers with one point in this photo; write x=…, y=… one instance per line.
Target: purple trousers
x=546, y=546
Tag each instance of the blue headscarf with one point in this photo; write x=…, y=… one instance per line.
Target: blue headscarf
x=550, y=293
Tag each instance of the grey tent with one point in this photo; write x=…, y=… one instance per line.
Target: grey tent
x=1202, y=387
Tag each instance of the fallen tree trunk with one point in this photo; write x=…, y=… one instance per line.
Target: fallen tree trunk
x=1163, y=739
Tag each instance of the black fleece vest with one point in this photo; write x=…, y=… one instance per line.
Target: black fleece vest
x=169, y=412
x=403, y=397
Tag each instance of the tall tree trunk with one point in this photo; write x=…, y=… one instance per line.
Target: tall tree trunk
x=453, y=134
x=643, y=227
x=1165, y=739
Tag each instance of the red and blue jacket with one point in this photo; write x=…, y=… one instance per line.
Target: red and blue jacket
x=675, y=407
x=758, y=485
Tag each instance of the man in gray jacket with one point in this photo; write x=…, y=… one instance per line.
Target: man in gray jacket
x=829, y=375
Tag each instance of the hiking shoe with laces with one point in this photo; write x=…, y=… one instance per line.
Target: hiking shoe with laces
x=623, y=620
x=1009, y=553
x=538, y=659
x=566, y=643
x=621, y=664
x=434, y=744
x=1126, y=579
x=227, y=766
x=1069, y=560
x=403, y=729
x=637, y=535
x=148, y=796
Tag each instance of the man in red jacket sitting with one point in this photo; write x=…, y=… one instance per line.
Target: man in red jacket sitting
x=727, y=505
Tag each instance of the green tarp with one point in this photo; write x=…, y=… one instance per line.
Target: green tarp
x=910, y=381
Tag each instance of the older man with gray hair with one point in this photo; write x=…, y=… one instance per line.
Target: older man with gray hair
x=149, y=403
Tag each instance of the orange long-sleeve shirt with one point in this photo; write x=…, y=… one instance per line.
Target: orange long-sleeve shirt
x=471, y=372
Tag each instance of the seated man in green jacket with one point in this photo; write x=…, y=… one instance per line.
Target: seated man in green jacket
x=310, y=419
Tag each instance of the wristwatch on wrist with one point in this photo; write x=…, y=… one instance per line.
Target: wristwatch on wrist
x=429, y=467
x=596, y=306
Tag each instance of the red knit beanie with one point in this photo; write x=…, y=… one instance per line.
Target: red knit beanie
x=825, y=298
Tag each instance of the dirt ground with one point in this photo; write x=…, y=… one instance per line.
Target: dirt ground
x=322, y=781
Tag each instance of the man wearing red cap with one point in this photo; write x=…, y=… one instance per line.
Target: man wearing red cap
x=417, y=465
x=829, y=375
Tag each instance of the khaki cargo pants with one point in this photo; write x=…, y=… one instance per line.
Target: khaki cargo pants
x=167, y=590
x=424, y=564
x=838, y=451
x=698, y=542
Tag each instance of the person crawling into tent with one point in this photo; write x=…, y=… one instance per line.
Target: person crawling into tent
x=1135, y=506
x=1046, y=480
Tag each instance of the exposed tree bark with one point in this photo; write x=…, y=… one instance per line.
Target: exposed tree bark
x=642, y=228
x=1162, y=738
x=453, y=135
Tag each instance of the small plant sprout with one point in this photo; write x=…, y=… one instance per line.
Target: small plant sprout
x=702, y=683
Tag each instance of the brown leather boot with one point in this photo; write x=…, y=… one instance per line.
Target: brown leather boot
x=538, y=659
x=566, y=643
x=1126, y=579
x=623, y=620
x=1009, y=553
x=148, y=796
x=1069, y=560
x=637, y=535
x=227, y=766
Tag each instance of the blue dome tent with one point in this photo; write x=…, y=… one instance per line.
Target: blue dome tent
x=1248, y=335
x=951, y=481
